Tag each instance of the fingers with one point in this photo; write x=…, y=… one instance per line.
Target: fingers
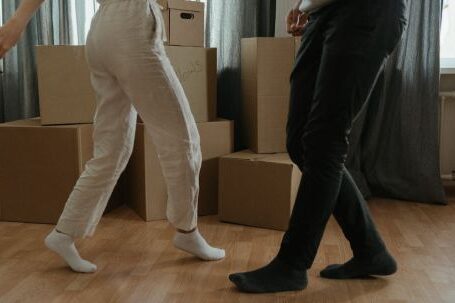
x=294, y=18
x=290, y=21
x=302, y=19
x=296, y=28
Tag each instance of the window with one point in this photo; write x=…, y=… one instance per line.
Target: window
x=82, y=13
x=448, y=37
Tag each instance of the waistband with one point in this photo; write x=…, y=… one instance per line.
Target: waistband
x=153, y=8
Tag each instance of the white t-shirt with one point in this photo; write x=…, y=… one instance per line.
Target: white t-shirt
x=311, y=5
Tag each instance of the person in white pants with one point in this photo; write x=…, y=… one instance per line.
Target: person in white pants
x=130, y=74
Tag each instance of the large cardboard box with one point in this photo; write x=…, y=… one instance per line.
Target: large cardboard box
x=65, y=91
x=266, y=68
x=67, y=97
x=39, y=167
x=144, y=184
x=257, y=190
x=196, y=69
x=184, y=22
x=447, y=134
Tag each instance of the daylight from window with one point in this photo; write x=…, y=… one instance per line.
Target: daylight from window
x=448, y=35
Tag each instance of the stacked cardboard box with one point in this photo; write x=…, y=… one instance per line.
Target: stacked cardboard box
x=43, y=158
x=184, y=22
x=258, y=189
x=266, y=66
x=39, y=166
x=258, y=186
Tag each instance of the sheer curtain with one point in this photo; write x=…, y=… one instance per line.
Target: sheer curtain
x=395, y=144
x=57, y=22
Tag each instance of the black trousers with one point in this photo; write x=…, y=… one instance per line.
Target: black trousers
x=344, y=48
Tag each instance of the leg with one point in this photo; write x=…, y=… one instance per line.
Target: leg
x=113, y=136
x=352, y=214
x=146, y=75
x=349, y=64
x=325, y=146
x=351, y=210
x=370, y=254
x=353, y=53
x=303, y=81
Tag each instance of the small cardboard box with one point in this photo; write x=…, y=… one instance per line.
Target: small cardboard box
x=65, y=91
x=144, y=184
x=265, y=72
x=257, y=190
x=67, y=97
x=39, y=167
x=184, y=22
x=196, y=69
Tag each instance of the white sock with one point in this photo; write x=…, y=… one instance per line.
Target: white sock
x=193, y=243
x=63, y=245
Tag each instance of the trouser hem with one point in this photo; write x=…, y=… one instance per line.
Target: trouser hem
x=76, y=229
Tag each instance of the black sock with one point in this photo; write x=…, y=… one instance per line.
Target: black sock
x=275, y=277
x=381, y=264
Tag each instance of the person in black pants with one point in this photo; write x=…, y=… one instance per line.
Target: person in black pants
x=344, y=47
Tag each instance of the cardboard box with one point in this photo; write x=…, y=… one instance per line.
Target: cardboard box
x=65, y=91
x=447, y=134
x=266, y=68
x=39, y=167
x=144, y=184
x=196, y=69
x=184, y=22
x=67, y=97
x=257, y=190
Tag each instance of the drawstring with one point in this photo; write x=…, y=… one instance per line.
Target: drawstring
x=155, y=9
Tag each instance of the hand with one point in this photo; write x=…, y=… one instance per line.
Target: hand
x=10, y=33
x=296, y=22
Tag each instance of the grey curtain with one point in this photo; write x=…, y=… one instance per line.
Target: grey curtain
x=227, y=22
x=53, y=24
x=395, y=143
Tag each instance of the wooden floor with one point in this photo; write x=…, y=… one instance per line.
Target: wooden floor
x=137, y=262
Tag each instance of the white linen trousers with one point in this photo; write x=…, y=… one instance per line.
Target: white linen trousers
x=132, y=74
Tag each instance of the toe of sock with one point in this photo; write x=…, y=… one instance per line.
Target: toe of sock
x=235, y=278
x=219, y=254
x=245, y=284
x=238, y=280
x=91, y=268
x=84, y=267
x=329, y=271
x=387, y=264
